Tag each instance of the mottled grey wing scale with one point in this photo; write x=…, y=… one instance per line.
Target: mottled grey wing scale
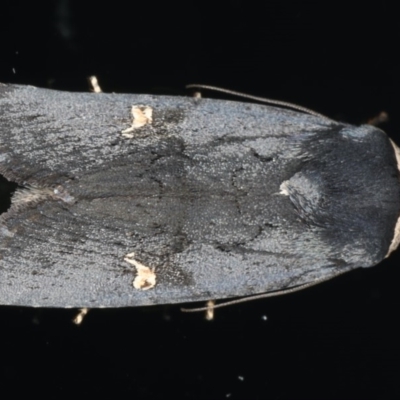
x=195, y=194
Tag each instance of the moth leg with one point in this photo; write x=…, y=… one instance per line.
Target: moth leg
x=94, y=83
x=210, y=310
x=80, y=316
x=379, y=119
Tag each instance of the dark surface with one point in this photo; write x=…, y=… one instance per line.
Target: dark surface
x=338, y=340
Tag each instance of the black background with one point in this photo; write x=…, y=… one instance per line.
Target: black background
x=337, y=340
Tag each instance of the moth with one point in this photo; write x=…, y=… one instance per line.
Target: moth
x=132, y=200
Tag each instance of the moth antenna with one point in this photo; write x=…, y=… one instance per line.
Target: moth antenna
x=261, y=99
x=264, y=295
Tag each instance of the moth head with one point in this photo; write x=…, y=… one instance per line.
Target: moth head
x=396, y=239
